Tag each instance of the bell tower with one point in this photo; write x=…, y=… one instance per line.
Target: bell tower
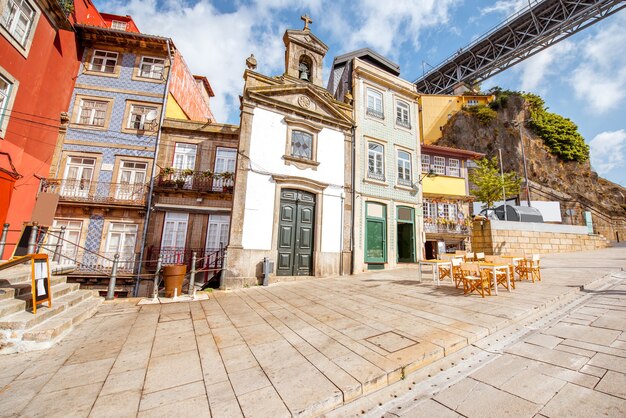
x=304, y=53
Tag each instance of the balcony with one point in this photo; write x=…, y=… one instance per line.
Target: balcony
x=447, y=228
x=97, y=192
x=194, y=181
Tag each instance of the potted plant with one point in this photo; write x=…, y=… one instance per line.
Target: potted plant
x=165, y=177
x=227, y=181
x=187, y=172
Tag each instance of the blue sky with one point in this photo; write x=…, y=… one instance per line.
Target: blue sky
x=582, y=78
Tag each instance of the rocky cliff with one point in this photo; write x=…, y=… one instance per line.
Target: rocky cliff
x=575, y=185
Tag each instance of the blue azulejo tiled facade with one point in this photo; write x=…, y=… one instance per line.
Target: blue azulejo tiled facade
x=105, y=160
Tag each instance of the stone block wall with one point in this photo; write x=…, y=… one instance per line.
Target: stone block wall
x=497, y=237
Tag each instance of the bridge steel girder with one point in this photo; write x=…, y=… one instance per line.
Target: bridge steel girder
x=522, y=35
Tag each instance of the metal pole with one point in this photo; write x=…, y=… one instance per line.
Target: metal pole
x=224, y=262
x=32, y=240
x=192, y=275
x=57, y=249
x=155, y=291
x=113, y=279
x=502, y=176
x=3, y=239
x=521, y=138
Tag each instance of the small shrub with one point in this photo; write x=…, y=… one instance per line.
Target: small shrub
x=483, y=113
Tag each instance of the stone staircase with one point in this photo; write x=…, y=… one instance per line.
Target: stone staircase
x=20, y=329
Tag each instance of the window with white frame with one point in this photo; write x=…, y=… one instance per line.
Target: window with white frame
x=103, y=61
x=225, y=159
x=439, y=165
x=151, y=68
x=430, y=211
x=185, y=159
x=472, y=102
x=17, y=19
x=121, y=240
x=137, y=117
x=451, y=211
x=118, y=25
x=77, y=177
x=217, y=232
x=404, y=168
x=5, y=91
x=131, y=180
x=402, y=114
x=70, y=239
x=174, y=233
x=425, y=163
x=375, y=104
x=301, y=144
x=454, y=167
x=375, y=166
x=92, y=112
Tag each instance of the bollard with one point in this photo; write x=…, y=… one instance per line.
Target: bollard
x=57, y=249
x=32, y=240
x=113, y=279
x=192, y=275
x=222, y=273
x=3, y=239
x=155, y=291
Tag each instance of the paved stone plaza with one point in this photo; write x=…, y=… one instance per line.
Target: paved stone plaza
x=336, y=346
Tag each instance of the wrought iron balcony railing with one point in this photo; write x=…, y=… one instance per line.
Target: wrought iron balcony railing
x=196, y=181
x=435, y=228
x=375, y=113
x=100, y=192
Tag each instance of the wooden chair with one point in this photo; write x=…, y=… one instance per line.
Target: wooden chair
x=532, y=267
x=480, y=256
x=501, y=275
x=475, y=280
x=444, y=271
x=491, y=258
x=469, y=257
x=457, y=272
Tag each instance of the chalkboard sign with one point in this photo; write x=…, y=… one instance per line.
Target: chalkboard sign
x=21, y=249
x=40, y=280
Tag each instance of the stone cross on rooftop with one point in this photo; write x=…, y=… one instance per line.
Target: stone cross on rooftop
x=307, y=21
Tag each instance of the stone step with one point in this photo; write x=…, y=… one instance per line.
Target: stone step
x=57, y=291
x=15, y=281
x=7, y=293
x=10, y=306
x=26, y=319
x=54, y=327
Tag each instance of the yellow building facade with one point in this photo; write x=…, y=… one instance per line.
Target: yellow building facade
x=436, y=109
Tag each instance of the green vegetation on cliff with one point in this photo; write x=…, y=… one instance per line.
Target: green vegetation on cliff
x=558, y=133
x=489, y=183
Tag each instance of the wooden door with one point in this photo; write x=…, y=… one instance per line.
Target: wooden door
x=295, y=233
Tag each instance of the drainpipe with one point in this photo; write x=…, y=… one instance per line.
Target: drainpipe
x=154, y=165
x=353, y=199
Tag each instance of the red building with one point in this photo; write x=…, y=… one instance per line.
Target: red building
x=39, y=59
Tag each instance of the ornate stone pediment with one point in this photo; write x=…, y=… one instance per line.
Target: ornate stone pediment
x=303, y=99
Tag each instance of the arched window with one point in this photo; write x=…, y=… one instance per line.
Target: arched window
x=305, y=68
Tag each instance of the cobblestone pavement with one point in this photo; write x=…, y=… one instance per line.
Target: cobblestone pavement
x=332, y=346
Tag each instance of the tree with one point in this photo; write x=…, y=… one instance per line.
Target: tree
x=488, y=181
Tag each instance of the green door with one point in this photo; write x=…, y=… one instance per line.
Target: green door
x=295, y=233
x=375, y=233
x=405, y=234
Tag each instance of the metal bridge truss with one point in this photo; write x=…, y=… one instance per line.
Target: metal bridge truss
x=522, y=35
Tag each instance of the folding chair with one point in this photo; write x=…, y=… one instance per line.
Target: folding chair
x=475, y=280
x=532, y=268
x=457, y=273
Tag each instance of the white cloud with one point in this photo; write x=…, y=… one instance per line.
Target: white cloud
x=607, y=151
x=535, y=69
x=506, y=7
x=216, y=44
x=600, y=79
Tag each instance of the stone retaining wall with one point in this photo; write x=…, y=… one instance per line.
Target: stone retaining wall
x=497, y=237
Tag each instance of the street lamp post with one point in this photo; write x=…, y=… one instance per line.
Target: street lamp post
x=521, y=138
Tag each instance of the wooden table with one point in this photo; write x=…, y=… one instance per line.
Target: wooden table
x=435, y=266
x=494, y=268
x=515, y=259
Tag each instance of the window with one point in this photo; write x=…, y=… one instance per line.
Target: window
x=430, y=211
x=103, y=62
x=225, y=159
x=439, y=165
x=402, y=115
x=472, y=102
x=151, y=68
x=5, y=91
x=425, y=163
x=375, y=161
x=301, y=144
x=121, y=240
x=375, y=104
x=454, y=168
x=185, y=159
x=118, y=24
x=137, y=117
x=404, y=168
x=451, y=211
x=71, y=238
x=92, y=112
x=77, y=178
x=131, y=180
x=217, y=232
x=174, y=235
x=17, y=19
